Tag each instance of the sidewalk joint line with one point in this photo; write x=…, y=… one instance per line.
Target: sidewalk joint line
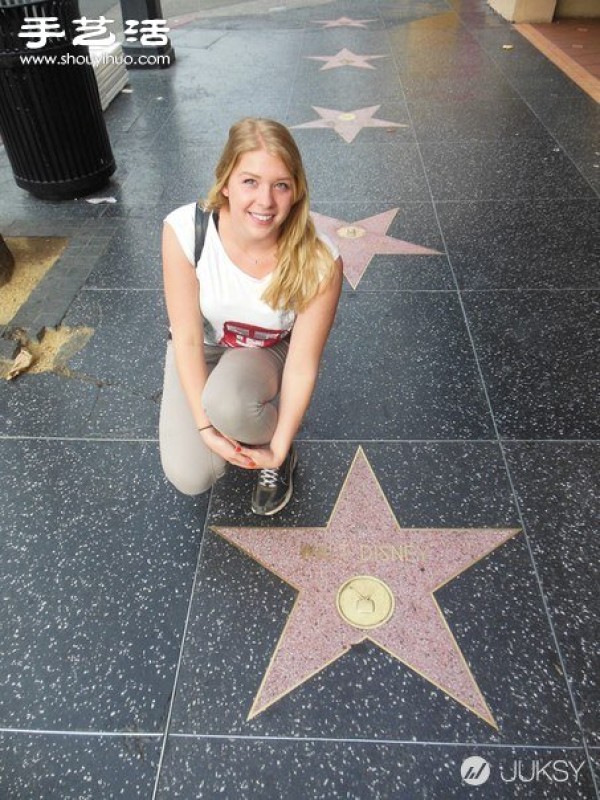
x=377, y=742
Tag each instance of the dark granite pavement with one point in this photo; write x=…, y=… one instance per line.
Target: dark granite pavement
x=134, y=637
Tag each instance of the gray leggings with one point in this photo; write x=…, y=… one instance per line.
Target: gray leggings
x=238, y=400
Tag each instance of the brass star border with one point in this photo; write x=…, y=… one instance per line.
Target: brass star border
x=363, y=545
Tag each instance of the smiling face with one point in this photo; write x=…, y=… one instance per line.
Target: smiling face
x=260, y=194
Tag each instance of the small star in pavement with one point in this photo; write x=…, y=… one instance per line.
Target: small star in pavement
x=346, y=58
x=360, y=241
x=348, y=124
x=343, y=22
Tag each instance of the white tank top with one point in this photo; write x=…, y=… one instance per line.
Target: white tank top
x=230, y=300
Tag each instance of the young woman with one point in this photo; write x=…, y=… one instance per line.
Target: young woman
x=248, y=322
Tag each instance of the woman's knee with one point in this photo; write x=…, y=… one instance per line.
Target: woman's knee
x=243, y=418
x=188, y=481
x=227, y=408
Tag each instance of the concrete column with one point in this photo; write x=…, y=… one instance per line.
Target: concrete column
x=525, y=10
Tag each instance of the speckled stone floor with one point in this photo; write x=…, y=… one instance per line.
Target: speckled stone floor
x=422, y=619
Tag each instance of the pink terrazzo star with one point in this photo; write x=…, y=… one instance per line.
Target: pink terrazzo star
x=346, y=58
x=348, y=124
x=360, y=241
x=343, y=22
x=362, y=538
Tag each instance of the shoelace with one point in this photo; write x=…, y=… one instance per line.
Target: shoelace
x=268, y=477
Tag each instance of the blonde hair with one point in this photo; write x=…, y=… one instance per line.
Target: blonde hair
x=303, y=260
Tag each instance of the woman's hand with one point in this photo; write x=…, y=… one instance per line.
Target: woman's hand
x=227, y=448
x=262, y=457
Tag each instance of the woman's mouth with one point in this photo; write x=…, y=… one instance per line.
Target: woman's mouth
x=262, y=219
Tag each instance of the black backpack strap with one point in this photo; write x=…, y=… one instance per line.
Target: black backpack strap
x=200, y=227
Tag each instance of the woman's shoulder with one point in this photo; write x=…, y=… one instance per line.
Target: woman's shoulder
x=181, y=221
x=182, y=214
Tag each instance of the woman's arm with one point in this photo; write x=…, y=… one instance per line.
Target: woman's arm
x=183, y=308
x=182, y=296
x=301, y=369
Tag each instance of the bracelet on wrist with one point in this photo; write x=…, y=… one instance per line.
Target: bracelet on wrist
x=205, y=428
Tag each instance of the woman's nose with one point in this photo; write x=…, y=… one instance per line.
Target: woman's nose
x=266, y=195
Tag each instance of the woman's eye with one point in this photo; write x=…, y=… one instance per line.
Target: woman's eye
x=249, y=181
x=284, y=187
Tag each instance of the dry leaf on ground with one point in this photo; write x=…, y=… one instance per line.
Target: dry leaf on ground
x=21, y=364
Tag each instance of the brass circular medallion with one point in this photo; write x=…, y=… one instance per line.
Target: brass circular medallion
x=351, y=232
x=348, y=116
x=365, y=601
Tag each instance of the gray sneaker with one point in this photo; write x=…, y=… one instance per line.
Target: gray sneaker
x=274, y=487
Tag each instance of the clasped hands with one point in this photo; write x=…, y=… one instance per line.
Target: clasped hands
x=245, y=456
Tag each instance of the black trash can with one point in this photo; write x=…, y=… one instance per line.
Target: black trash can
x=50, y=115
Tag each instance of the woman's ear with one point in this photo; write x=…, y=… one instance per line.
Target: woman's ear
x=225, y=191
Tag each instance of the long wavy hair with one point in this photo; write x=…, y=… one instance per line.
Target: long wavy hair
x=303, y=260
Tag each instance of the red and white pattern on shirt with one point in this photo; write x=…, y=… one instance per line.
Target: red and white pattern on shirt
x=240, y=334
